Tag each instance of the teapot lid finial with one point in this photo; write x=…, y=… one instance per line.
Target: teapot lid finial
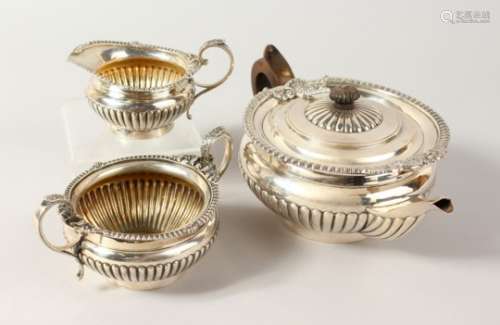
x=344, y=95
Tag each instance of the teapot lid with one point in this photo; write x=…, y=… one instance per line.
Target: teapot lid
x=345, y=127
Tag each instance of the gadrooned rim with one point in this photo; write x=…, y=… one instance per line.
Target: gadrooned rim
x=305, y=89
x=192, y=63
x=202, y=166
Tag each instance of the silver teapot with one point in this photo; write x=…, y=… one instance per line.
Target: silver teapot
x=340, y=160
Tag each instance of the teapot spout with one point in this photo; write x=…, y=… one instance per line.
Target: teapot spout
x=444, y=204
x=415, y=207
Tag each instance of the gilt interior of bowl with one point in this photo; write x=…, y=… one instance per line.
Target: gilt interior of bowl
x=141, y=197
x=144, y=73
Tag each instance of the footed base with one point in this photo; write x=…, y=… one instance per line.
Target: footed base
x=331, y=238
x=147, y=285
x=144, y=135
x=90, y=139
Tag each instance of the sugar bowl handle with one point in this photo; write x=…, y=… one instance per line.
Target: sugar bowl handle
x=70, y=248
x=217, y=43
x=211, y=138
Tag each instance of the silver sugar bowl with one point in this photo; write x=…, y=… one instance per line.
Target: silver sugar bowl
x=141, y=222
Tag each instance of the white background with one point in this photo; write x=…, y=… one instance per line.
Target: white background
x=445, y=272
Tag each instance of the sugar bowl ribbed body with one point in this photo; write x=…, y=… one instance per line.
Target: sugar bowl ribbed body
x=141, y=221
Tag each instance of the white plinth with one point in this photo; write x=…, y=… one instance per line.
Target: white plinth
x=90, y=139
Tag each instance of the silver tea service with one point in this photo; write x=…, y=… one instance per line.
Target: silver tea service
x=339, y=160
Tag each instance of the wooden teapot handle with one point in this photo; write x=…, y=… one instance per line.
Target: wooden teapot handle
x=271, y=70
